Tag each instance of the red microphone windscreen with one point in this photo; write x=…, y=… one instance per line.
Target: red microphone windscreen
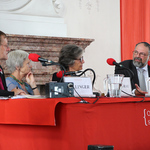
x=59, y=74
x=33, y=57
x=148, y=63
x=110, y=61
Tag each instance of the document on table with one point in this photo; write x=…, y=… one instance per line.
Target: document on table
x=4, y=98
x=27, y=96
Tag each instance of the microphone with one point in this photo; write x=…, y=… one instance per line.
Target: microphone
x=112, y=62
x=60, y=73
x=36, y=58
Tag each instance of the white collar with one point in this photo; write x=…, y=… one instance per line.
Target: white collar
x=145, y=68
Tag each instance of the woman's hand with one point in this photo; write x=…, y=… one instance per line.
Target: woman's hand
x=30, y=79
x=18, y=91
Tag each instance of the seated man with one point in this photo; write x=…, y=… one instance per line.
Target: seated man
x=139, y=66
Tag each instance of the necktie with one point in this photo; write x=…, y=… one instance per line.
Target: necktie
x=1, y=84
x=142, y=80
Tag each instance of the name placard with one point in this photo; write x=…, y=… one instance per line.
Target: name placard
x=126, y=87
x=148, y=85
x=82, y=86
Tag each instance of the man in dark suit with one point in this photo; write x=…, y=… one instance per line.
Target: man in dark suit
x=4, y=49
x=141, y=56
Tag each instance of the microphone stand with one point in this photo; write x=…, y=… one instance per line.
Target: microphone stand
x=129, y=71
x=94, y=76
x=54, y=63
x=49, y=64
x=92, y=72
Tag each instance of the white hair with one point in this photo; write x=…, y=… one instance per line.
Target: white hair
x=15, y=59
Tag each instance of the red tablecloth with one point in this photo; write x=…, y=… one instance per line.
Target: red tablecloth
x=30, y=111
x=29, y=124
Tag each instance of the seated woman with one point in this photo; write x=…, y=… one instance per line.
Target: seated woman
x=71, y=59
x=19, y=66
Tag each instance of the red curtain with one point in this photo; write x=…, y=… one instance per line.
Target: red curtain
x=135, y=25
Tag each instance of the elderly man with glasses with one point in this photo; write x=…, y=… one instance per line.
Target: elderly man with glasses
x=139, y=66
x=4, y=49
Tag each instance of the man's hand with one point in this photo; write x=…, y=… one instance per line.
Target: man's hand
x=139, y=92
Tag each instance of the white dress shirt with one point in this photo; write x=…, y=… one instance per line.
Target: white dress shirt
x=145, y=68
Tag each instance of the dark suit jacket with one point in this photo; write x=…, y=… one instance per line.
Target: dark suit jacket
x=4, y=92
x=129, y=64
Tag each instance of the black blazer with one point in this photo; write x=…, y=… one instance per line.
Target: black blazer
x=129, y=64
x=4, y=92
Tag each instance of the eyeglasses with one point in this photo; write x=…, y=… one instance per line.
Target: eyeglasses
x=140, y=54
x=81, y=59
x=5, y=45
